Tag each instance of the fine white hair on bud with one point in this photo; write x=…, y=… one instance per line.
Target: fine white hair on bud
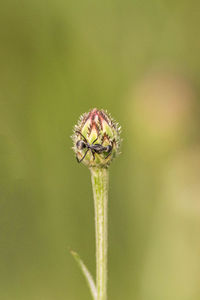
x=96, y=139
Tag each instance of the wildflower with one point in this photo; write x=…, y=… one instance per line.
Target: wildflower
x=96, y=139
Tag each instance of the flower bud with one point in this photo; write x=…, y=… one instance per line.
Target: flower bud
x=96, y=139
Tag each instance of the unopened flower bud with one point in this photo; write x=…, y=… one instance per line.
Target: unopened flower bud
x=96, y=139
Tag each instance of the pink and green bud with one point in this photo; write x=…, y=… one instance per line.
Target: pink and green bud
x=96, y=139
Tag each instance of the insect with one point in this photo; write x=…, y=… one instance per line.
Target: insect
x=94, y=148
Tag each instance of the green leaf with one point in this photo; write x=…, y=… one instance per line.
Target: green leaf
x=86, y=273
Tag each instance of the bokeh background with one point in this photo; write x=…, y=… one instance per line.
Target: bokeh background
x=140, y=61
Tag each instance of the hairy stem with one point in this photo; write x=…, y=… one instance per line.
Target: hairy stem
x=100, y=191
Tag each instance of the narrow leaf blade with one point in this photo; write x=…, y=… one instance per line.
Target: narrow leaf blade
x=86, y=273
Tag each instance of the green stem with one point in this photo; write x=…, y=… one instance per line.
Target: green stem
x=100, y=192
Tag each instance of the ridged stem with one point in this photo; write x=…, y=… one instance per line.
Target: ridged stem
x=100, y=192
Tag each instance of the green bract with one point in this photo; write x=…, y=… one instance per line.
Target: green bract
x=96, y=125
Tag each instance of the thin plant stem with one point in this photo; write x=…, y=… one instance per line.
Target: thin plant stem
x=100, y=192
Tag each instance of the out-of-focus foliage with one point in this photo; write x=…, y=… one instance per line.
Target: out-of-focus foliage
x=140, y=61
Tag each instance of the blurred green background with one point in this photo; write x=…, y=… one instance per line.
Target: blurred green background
x=140, y=61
